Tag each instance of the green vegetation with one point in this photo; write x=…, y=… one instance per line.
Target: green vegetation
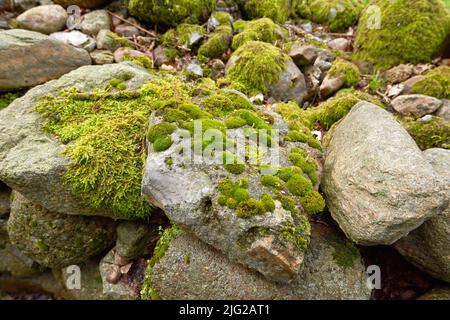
x=171, y=12
x=406, y=25
x=277, y=10
x=7, y=98
x=347, y=70
x=263, y=29
x=297, y=233
x=217, y=44
x=148, y=292
x=258, y=65
x=345, y=253
x=434, y=133
x=436, y=83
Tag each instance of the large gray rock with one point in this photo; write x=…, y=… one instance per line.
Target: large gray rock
x=56, y=240
x=377, y=183
x=190, y=269
x=31, y=58
x=30, y=160
x=44, y=19
x=428, y=247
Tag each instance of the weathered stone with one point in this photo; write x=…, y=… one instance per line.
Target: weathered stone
x=102, y=56
x=190, y=269
x=408, y=84
x=107, y=40
x=159, y=56
x=126, y=30
x=444, y=111
x=88, y=4
x=428, y=247
x=342, y=44
x=399, y=73
x=331, y=85
x=304, y=55
x=34, y=58
x=377, y=183
x=415, y=105
x=44, y=19
x=95, y=21
x=31, y=161
x=119, y=54
x=290, y=86
x=54, y=239
x=133, y=238
x=75, y=38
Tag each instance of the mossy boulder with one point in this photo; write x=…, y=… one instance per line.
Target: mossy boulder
x=338, y=15
x=435, y=83
x=201, y=272
x=259, y=67
x=172, y=12
x=405, y=26
x=217, y=44
x=277, y=10
x=430, y=133
x=97, y=186
x=54, y=239
x=251, y=219
x=263, y=29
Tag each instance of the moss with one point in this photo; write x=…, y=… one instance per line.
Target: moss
x=221, y=103
x=345, y=254
x=114, y=82
x=143, y=61
x=235, y=122
x=160, y=130
x=436, y=83
x=148, y=292
x=348, y=71
x=235, y=168
x=122, y=86
x=118, y=41
x=313, y=202
x=272, y=181
x=241, y=194
x=297, y=233
x=7, y=98
x=264, y=30
x=168, y=161
x=287, y=172
x=268, y=203
x=224, y=18
x=162, y=144
x=217, y=44
x=338, y=15
x=181, y=36
x=288, y=203
x=232, y=193
x=296, y=136
x=171, y=12
x=239, y=25
x=258, y=64
x=406, y=25
x=298, y=185
x=277, y=10
x=434, y=133
x=250, y=208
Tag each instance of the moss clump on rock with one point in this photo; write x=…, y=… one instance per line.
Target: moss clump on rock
x=272, y=181
x=171, y=12
x=345, y=253
x=217, y=44
x=183, y=36
x=313, y=202
x=434, y=133
x=250, y=208
x=436, y=83
x=348, y=71
x=405, y=27
x=297, y=233
x=277, y=10
x=258, y=64
x=338, y=15
x=143, y=61
x=147, y=291
x=263, y=29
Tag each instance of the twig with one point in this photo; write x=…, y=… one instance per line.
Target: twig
x=133, y=24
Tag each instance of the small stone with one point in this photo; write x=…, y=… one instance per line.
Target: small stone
x=159, y=56
x=395, y=90
x=415, y=105
x=426, y=118
x=107, y=40
x=324, y=60
x=114, y=274
x=307, y=27
x=399, y=73
x=217, y=68
x=408, y=84
x=167, y=67
x=102, y=57
x=44, y=19
x=444, y=111
x=120, y=54
x=258, y=99
x=193, y=69
x=330, y=85
x=76, y=39
x=95, y=21
x=304, y=55
x=127, y=31
x=342, y=44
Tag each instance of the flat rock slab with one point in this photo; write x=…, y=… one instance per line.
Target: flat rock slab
x=30, y=58
x=378, y=184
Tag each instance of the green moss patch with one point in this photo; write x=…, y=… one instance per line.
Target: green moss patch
x=264, y=30
x=277, y=10
x=405, y=27
x=297, y=233
x=345, y=254
x=436, y=83
x=348, y=71
x=434, y=133
x=217, y=44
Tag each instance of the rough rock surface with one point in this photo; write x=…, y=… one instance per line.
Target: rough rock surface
x=416, y=105
x=133, y=238
x=44, y=19
x=54, y=239
x=88, y=4
x=30, y=160
x=95, y=21
x=33, y=58
x=378, y=184
x=190, y=269
x=428, y=247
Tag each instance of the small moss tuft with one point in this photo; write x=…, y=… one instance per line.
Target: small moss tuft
x=217, y=44
x=268, y=203
x=313, y=202
x=272, y=181
x=264, y=30
x=277, y=10
x=434, y=133
x=347, y=70
x=436, y=83
x=298, y=185
x=250, y=208
x=297, y=233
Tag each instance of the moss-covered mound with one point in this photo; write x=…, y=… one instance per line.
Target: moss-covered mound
x=7, y=98
x=436, y=83
x=258, y=64
x=348, y=71
x=277, y=10
x=171, y=12
x=338, y=15
x=263, y=29
x=410, y=31
x=434, y=133
x=217, y=44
